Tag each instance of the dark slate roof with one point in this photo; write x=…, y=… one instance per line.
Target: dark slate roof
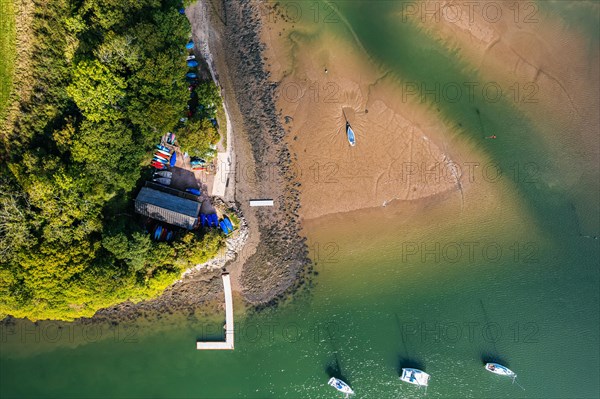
x=167, y=208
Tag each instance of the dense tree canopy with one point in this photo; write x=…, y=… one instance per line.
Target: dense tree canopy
x=109, y=83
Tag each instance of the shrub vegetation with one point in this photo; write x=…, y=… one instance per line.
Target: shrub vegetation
x=109, y=81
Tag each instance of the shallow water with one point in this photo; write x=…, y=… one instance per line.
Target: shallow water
x=440, y=285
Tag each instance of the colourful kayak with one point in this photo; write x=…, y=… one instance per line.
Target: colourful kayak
x=161, y=155
x=165, y=153
x=158, y=165
x=158, y=232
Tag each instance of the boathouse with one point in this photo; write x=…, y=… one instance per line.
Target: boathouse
x=168, y=206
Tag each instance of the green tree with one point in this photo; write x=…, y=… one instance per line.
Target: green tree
x=97, y=91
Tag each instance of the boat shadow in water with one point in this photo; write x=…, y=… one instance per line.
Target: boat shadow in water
x=410, y=363
x=333, y=369
x=487, y=357
x=404, y=358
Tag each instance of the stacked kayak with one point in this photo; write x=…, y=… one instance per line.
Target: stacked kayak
x=165, y=181
x=161, y=233
x=163, y=173
x=158, y=165
x=161, y=158
x=209, y=220
x=198, y=164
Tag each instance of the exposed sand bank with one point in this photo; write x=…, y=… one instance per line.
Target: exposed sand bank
x=403, y=151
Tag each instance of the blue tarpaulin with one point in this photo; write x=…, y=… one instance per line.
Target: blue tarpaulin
x=173, y=159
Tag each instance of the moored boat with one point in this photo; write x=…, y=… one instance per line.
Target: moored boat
x=415, y=377
x=350, y=134
x=500, y=370
x=340, y=386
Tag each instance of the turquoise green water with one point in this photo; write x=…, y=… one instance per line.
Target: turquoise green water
x=434, y=286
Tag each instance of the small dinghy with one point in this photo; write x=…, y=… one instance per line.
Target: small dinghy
x=340, y=386
x=500, y=370
x=228, y=223
x=194, y=191
x=163, y=148
x=165, y=181
x=164, y=173
x=192, y=63
x=415, y=377
x=350, y=134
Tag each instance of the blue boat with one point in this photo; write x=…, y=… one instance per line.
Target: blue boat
x=350, y=133
x=194, y=191
x=191, y=75
x=228, y=223
x=203, y=221
x=223, y=227
x=173, y=159
x=163, y=148
x=214, y=220
x=169, y=236
x=190, y=45
x=192, y=63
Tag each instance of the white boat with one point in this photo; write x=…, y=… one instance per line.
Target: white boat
x=340, y=386
x=415, y=377
x=500, y=370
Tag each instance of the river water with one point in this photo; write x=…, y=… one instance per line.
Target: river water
x=441, y=285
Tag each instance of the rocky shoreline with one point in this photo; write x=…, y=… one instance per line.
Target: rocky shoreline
x=281, y=257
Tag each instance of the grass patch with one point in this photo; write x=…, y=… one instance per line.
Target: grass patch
x=7, y=51
x=222, y=125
